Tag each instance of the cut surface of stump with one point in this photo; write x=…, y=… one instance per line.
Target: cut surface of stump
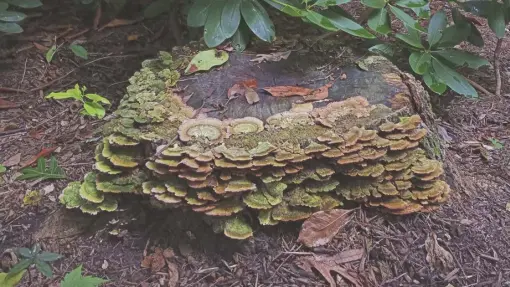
x=180, y=141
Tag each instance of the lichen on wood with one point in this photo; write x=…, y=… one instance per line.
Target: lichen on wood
x=281, y=167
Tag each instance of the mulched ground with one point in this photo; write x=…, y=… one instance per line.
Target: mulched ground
x=473, y=226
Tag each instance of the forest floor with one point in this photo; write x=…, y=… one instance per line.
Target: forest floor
x=474, y=226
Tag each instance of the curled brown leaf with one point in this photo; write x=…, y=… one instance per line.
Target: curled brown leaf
x=322, y=226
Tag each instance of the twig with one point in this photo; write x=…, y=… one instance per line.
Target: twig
x=10, y=132
x=24, y=73
x=497, y=51
x=11, y=90
x=480, y=88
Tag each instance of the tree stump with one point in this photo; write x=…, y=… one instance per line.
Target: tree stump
x=356, y=131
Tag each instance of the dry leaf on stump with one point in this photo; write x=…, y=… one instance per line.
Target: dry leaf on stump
x=437, y=256
x=288, y=91
x=322, y=226
x=319, y=94
x=251, y=96
x=273, y=57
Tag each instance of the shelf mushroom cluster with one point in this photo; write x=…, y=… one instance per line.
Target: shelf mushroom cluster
x=282, y=169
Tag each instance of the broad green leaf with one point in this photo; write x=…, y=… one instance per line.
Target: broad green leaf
x=13, y=280
x=377, y=4
x=420, y=62
x=25, y=3
x=480, y=8
x=11, y=16
x=2, y=169
x=205, y=60
x=197, y=14
x=157, y=8
x=61, y=96
x=408, y=20
x=214, y=34
x=385, y=50
x=411, y=3
x=76, y=279
x=379, y=21
x=454, y=35
x=289, y=7
x=496, y=19
x=433, y=83
x=97, y=98
x=10, y=28
x=327, y=3
x=231, y=17
x=410, y=40
x=437, y=25
x=94, y=109
x=257, y=19
x=241, y=38
x=466, y=28
x=79, y=51
x=41, y=172
x=25, y=252
x=22, y=265
x=51, y=52
x=44, y=268
x=496, y=143
x=422, y=12
x=48, y=256
x=3, y=6
x=452, y=79
x=461, y=58
x=320, y=21
x=345, y=24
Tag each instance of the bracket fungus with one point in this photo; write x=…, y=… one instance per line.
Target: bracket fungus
x=280, y=163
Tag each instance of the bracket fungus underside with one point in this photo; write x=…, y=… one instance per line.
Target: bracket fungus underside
x=281, y=168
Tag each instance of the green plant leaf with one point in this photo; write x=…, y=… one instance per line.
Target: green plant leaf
x=48, y=256
x=157, y=8
x=257, y=19
x=496, y=143
x=50, y=53
x=94, y=109
x=461, y=58
x=465, y=30
x=205, y=60
x=452, y=79
x=79, y=51
x=13, y=280
x=76, y=279
x=437, y=25
x=345, y=24
x=433, y=83
x=2, y=168
x=197, y=14
x=379, y=21
x=44, y=268
x=289, y=7
x=241, y=38
x=214, y=34
x=327, y=3
x=454, y=35
x=3, y=6
x=98, y=99
x=410, y=39
x=12, y=16
x=420, y=62
x=25, y=252
x=27, y=4
x=377, y=4
x=231, y=17
x=320, y=20
x=385, y=50
x=496, y=19
x=10, y=28
x=422, y=12
x=406, y=19
x=62, y=95
x=22, y=265
x=41, y=172
x=411, y=3
x=36, y=248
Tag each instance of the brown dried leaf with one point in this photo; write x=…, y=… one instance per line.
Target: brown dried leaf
x=287, y=91
x=173, y=274
x=13, y=160
x=236, y=90
x=4, y=104
x=437, y=256
x=43, y=153
x=119, y=22
x=319, y=94
x=154, y=261
x=322, y=226
x=133, y=37
x=327, y=264
x=343, y=76
x=251, y=96
x=40, y=47
x=273, y=57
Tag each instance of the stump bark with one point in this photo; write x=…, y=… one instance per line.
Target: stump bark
x=182, y=142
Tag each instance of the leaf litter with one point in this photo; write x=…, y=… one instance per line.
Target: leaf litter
x=273, y=57
x=245, y=89
x=322, y=226
x=43, y=153
x=158, y=260
x=437, y=256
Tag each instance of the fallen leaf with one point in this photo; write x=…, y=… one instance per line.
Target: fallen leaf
x=36, y=134
x=43, y=153
x=326, y=264
x=236, y=90
x=32, y=198
x=205, y=60
x=104, y=266
x=437, y=256
x=48, y=189
x=118, y=22
x=507, y=206
x=154, y=261
x=13, y=160
x=250, y=83
x=133, y=37
x=288, y=91
x=273, y=57
x=173, y=274
x=4, y=104
x=251, y=96
x=319, y=94
x=322, y=226
x=40, y=47
x=343, y=76
x=444, y=134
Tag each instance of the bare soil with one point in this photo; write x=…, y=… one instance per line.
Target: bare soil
x=473, y=226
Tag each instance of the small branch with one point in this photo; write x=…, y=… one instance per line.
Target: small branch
x=11, y=90
x=480, y=88
x=497, y=51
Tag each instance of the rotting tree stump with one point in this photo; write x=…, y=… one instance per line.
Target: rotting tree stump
x=180, y=142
